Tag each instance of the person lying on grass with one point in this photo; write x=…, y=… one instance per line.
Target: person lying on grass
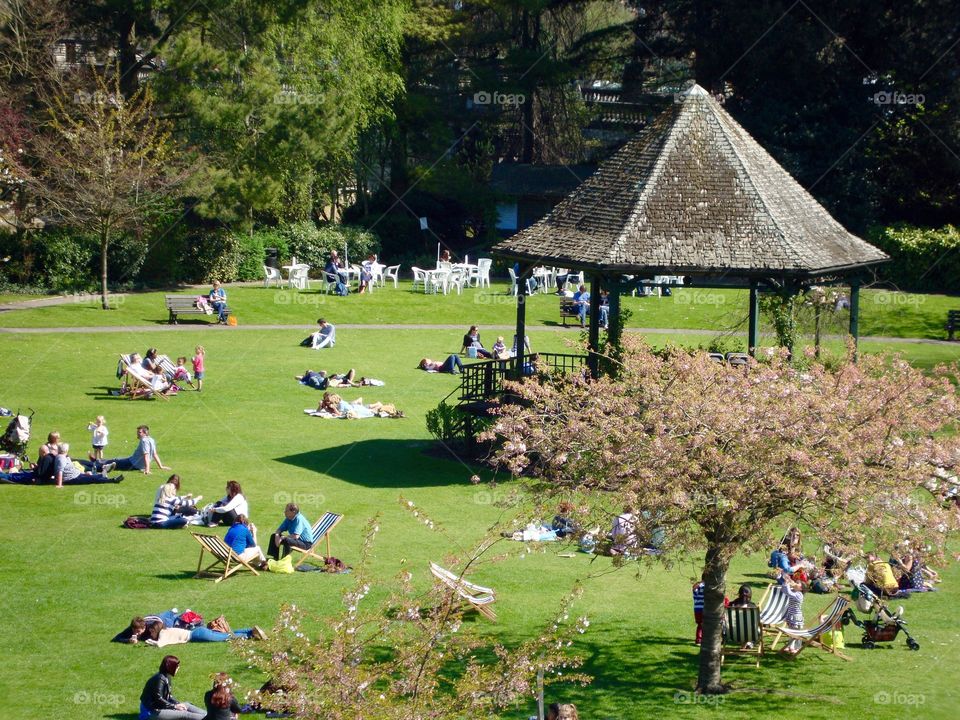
x=159, y=635
x=320, y=380
x=335, y=406
x=453, y=365
x=137, y=629
x=63, y=469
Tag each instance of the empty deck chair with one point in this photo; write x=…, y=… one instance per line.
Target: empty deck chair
x=321, y=530
x=222, y=554
x=811, y=636
x=474, y=596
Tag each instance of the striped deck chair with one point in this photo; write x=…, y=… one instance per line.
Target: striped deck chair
x=773, y=608
x=321, y=530
x=222, y=554
x=811, y=636
x=137, y=381
x=742, y=634
x=474, y=596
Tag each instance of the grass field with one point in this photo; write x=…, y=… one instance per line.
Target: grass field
x=882, y=313
x=73, y=577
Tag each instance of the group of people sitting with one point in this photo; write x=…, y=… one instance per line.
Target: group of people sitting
x=157, y=701
x=154, y=373
x=172, y=510
x=55, y=466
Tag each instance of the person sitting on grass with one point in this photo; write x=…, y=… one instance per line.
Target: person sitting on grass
x=226, y=510
x=141, y=459
x=242, y=539
x=294, y=531
x=170, y=510
x=453, y=365
x=324, y=336
x=158, y=703
x=58, y=468
x=219, y=700
x=472, y=340
x=320, y=380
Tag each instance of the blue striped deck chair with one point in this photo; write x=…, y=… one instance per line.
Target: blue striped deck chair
x=831, y=615
x=321, y=530
x=742, y=634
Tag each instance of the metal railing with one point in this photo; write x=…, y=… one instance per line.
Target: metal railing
x=484, y=380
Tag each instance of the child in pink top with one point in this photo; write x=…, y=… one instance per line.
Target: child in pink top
x=198, y=367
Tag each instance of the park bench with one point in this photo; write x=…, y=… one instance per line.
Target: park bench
x=183, y=305
x=568, y=309
x=953, y=323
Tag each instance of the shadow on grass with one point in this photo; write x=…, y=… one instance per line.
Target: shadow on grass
x=659, y=673
x=123, y=716
x=383, y=463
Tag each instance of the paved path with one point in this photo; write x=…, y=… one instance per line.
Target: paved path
x=164, y=327
x=209, y=327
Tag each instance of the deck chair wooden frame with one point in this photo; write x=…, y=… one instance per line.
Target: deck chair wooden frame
x=321, y=530
x=474, y=596
x=223, y=555
x=829, y=617
x=742, y=633
x=138, y=386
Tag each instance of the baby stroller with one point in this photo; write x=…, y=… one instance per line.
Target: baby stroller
x=884, y=625
x=17, y=436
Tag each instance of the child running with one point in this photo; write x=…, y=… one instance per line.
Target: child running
x=99, y=432
x=198, y=366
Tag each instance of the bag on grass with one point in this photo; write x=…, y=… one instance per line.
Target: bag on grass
x=284, y=566
x=189, y=620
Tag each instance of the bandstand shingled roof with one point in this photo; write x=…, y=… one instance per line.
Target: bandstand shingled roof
x=693, y=194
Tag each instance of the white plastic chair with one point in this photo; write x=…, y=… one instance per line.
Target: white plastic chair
x=271, y=273
x=437, y=279
x=457, y=278
x=483, y=272
x=391, y=273
x=299, y=277
x=513, y=281
x=376, y=269
x=419, y=278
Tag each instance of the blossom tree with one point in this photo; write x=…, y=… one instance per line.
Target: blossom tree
x=398, y=653
x=716, y=458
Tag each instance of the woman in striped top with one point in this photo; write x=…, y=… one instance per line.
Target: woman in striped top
x=168, y=508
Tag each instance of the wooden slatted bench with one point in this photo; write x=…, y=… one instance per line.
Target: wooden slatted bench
x=183, y=305
x=568, y=309
x=953, y=323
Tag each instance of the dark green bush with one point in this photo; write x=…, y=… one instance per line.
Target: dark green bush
x=922, y=259
x=312, y=244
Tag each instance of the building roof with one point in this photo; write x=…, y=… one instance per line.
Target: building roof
x=522, y=180
x=693, y=194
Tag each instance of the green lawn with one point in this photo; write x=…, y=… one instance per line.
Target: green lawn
x=74, y=577
x=882, y=313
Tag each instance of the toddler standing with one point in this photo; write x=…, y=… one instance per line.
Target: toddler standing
x=794, y=617
x=198, y=366
x=99, y=432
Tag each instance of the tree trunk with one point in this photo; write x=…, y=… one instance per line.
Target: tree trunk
x=104, y=244
x=715, y=582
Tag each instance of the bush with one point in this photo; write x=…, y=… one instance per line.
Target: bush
x=445, y=423
x=922, y=259
x=68, y=261
x=312, y=244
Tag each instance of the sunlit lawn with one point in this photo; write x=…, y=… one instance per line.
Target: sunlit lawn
x=73, y=577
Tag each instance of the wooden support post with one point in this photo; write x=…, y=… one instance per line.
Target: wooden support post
x=855, y=316
x=753, y=333
x=521, y=319
x=593, y=335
